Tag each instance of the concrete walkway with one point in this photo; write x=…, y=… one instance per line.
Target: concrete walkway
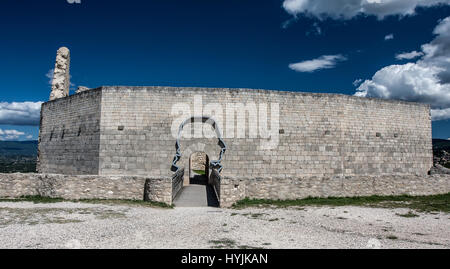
x=196, y=196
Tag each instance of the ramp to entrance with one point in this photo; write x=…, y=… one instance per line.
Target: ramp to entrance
x=198, y=194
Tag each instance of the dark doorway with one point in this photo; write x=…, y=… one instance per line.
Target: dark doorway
x=198, y=168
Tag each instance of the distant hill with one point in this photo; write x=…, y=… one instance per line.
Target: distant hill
x=18, y=148
x=441, y=144
x=18, y=156
x=441, y=152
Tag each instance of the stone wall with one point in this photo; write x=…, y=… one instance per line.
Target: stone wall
x=230, y=189
x=215, y=181
x=86, y=187
x=198, y=161
x=177, y=182
x=69, y=135
x=321, y=135
x=234, y=189
x=127, y=131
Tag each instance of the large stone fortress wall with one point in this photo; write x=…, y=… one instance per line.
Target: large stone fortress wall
x=69, y=135
x=128, y=132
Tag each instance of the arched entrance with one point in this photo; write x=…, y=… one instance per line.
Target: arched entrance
x=208, y=120
x=197, y=189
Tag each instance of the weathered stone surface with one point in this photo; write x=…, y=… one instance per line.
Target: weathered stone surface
x=127, y=131
x=177, y=183
x=233, y=189
x=86, y=187
x=229, y=189
x=198, y=161
x=329, y=145
x=69, y=135
x=439, y=169
x=82, y=89
x=215, y=180
x=61, y=75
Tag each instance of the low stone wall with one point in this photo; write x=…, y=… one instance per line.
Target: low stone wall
x=177, y=182
x=235, y=189
x=158, y=190
x=215, y=180
x=86, y=187
x=229, y=189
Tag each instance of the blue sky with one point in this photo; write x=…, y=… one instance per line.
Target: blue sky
x=232, y=43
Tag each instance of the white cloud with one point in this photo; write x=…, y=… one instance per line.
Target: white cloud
x=26, y=113
x=10, y=134
x=440, y=114
x=389, y=37
x=49, y=75
x=316, y=30
x=410, y=82
x=427, y=80
x=357, y=82
x=347, y=9
x=323, y=62
x=408, y=55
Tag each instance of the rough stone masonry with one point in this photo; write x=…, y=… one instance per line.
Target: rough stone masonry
x=328, y=144
x=61, y=75
x=128, y=131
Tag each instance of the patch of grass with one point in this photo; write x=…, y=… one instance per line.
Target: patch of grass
x=46, y=200
x=34, y=199
x=440, y=202
x=254, y=215
x=35, y=216
x=60, y=220
x=200, y=172
x=392, y=237
x=223, y=243
x=410, y=214
x=421, y=234
x=38, y=215
x=276, y=219
x=110, y=214
x=247, y=247
x=126, y=202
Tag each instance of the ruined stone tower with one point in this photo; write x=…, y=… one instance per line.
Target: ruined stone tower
x=61, y=75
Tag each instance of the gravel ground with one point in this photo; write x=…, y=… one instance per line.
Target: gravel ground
x=81, y=225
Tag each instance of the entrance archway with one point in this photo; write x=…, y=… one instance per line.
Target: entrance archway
x=209, y=120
